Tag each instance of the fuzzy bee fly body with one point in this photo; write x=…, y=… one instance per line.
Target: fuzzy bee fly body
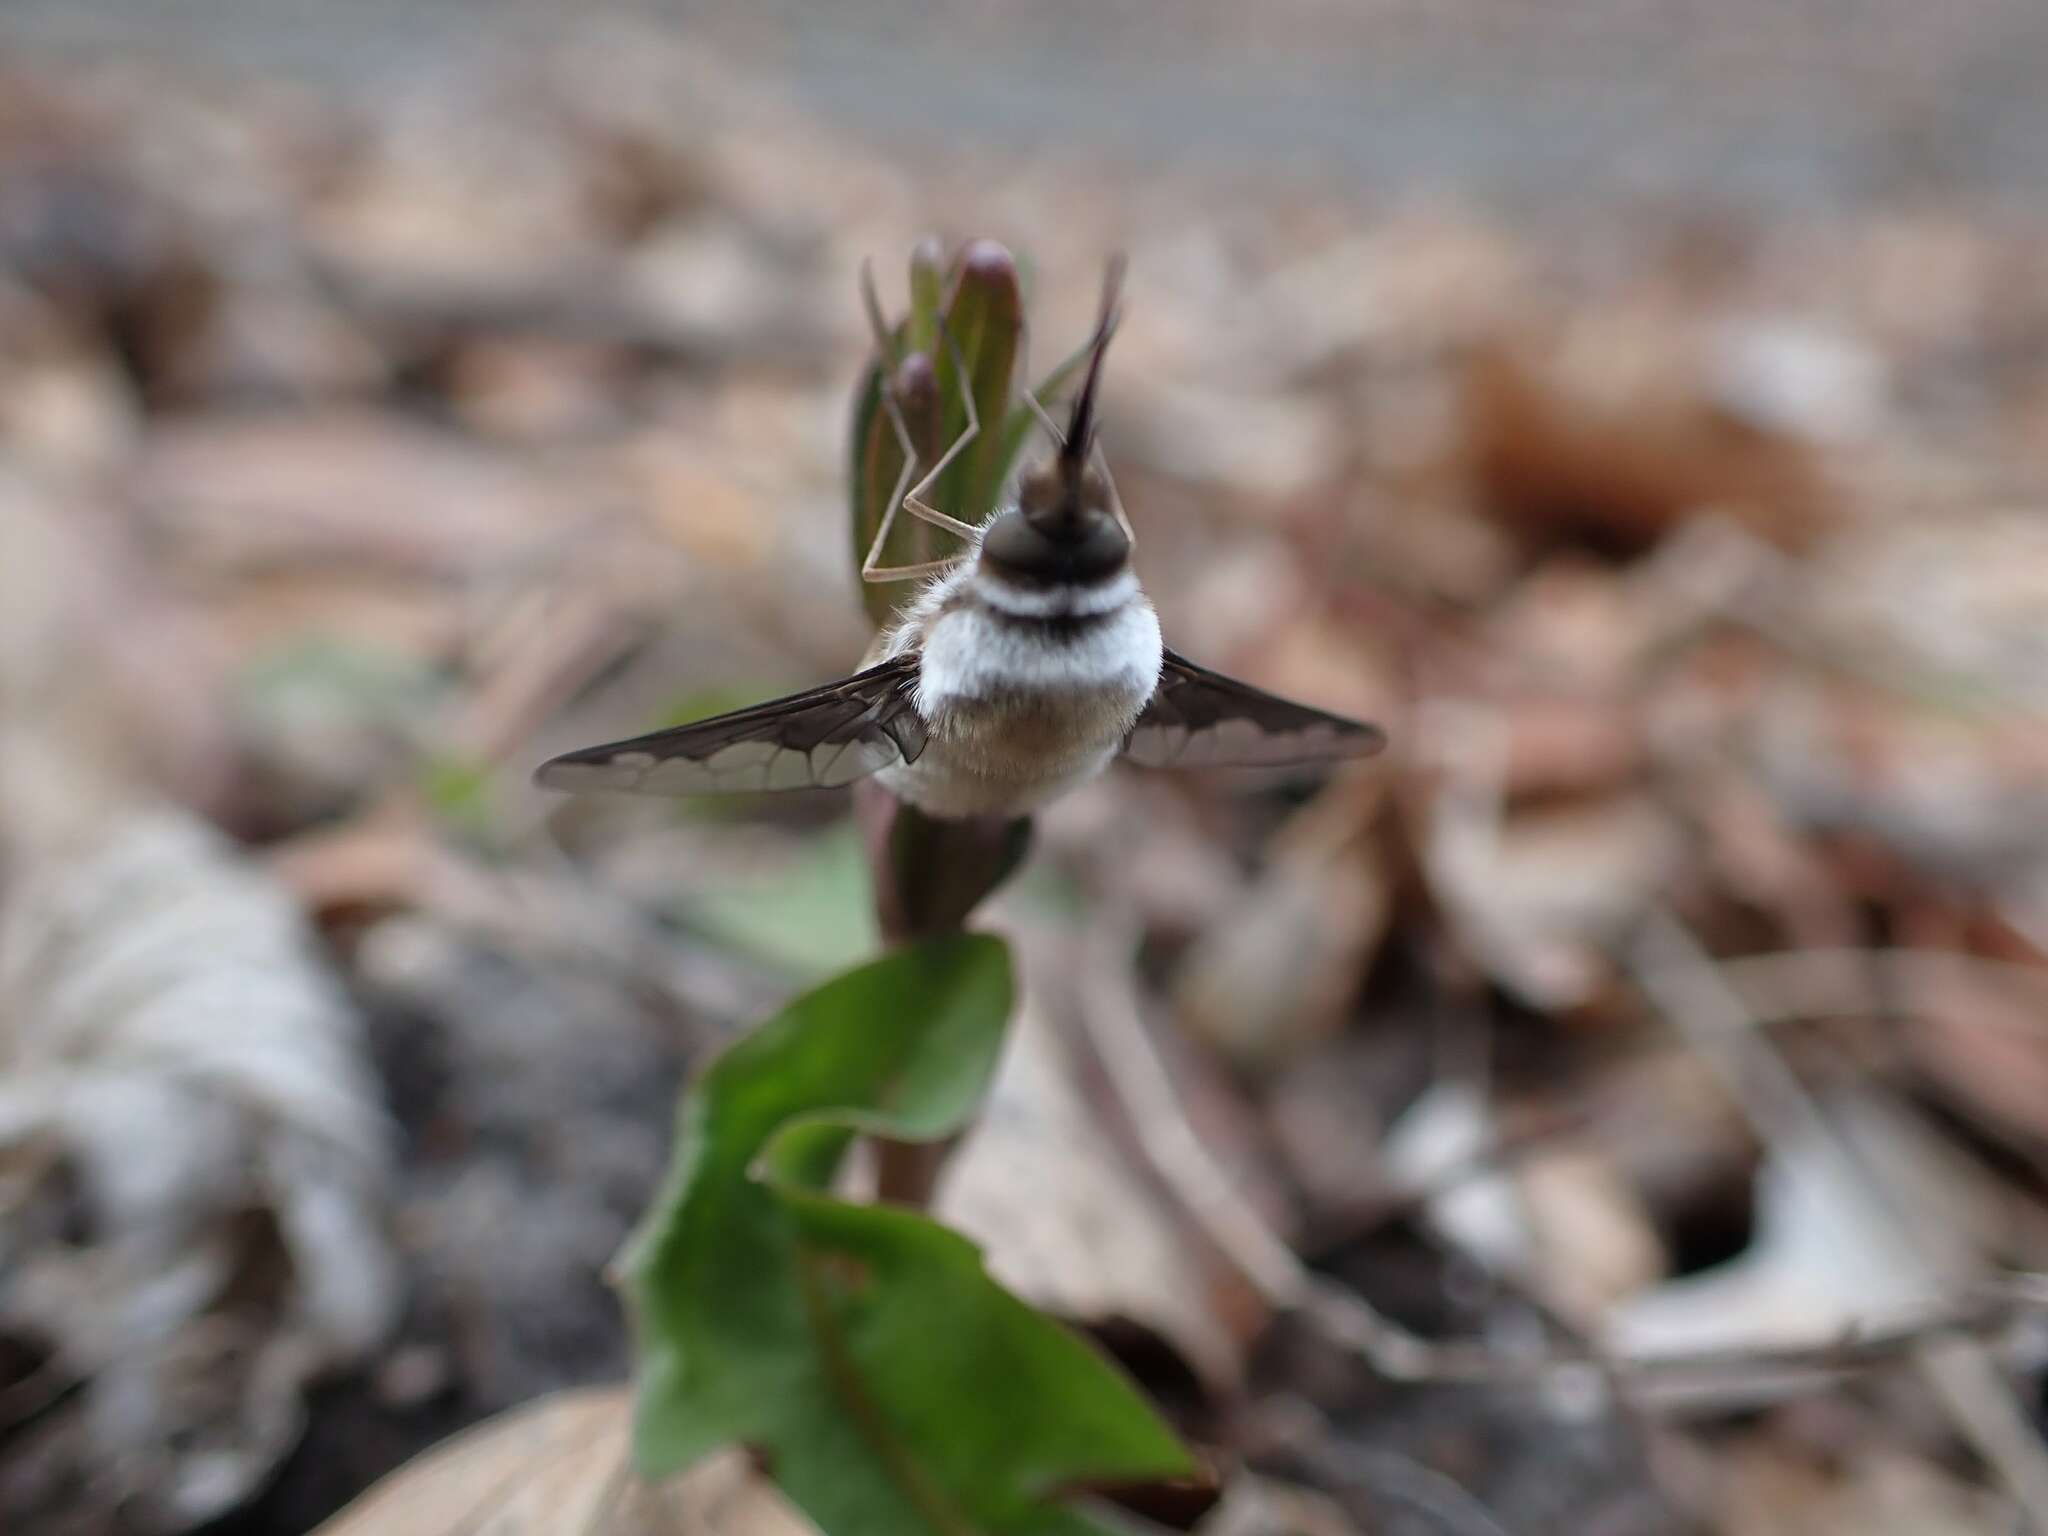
x=1021, y=668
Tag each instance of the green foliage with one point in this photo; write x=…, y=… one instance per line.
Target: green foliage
x=980, y=298
x=807, y=917
x=457, y=790
x=888, y=1384
x=320, y=683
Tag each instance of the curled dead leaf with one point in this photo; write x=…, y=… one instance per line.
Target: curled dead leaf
x=1617, y=427
x=195, y=1229
x=562, y=1466
x=1066, y=1222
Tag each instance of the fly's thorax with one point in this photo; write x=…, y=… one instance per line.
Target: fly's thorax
x=1107, y=650
x=1022, y=707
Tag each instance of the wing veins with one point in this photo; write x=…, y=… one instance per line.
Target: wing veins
x=1192, y=705
x=870, y=713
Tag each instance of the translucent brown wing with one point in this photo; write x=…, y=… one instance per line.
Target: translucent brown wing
x=817, y=739
x=1202, y=719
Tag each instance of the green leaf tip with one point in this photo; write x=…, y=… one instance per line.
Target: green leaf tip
x=891, y=1387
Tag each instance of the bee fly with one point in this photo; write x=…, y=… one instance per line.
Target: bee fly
x=1022, y=667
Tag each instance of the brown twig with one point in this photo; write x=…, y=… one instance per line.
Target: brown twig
x=1826, y=983
x=1683, y=982
x=1109, y=1013
x=1783, y=987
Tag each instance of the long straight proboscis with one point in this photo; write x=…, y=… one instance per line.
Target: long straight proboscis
x=1081, y=428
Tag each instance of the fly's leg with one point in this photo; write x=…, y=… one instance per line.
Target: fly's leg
x=1096, y=456
x=1052, y=428
x=913, y=499
x=1036, y=406
x=1116, y=502
x=870, y=571
x=910, y=498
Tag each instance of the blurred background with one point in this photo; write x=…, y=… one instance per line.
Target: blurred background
x=1639, y=408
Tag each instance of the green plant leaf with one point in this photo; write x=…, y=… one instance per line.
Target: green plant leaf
x=870, y=453
x=863, y=1352
x=457, y=790
x=808, y=917
x=927, y=286
x=985, y=320
x=878, y=479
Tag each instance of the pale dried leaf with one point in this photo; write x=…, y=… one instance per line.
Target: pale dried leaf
x=1984, y=1041
x=1956, y=604
x=1617, y=426
x=562, y=1467
x=1280, y=969
x=1949, y=790
x=1594, y=1242
x=338, y=484
x=1829, y=1257
x=1539, y=898
x=1444, y=1130
x=1064, y=1220
x=1767, y=1489
x=175, y=1059
x=1261, y=1506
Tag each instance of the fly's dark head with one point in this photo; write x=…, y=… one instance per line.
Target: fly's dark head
x=1065, y=528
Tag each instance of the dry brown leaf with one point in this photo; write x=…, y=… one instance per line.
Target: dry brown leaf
x=535, y=388
x=1569, y=627
x=1613, y=430
x=1324, y=1114
x=1757, y=858
x=1954, y=605
x=455, y=201
x=1258, y=1506
x=1666, y=1123
x=1561, y=1220
x=361, y=487
x=1983, y=1038
x=1829, y=1256
x=561, y=1467
x=63, y=408
x=1065, y=1221
x=107, y=689
x=1593, y=1241
x=1953, y=793
x=1539, y=898
x=716, y=283
x=1564, y=745
x=283, y=341
x=1281, y=967
x=1767, y=1489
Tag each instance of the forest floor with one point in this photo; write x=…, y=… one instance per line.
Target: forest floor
x=1623, y=1108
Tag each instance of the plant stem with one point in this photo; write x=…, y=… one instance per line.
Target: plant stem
x=929, y=876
